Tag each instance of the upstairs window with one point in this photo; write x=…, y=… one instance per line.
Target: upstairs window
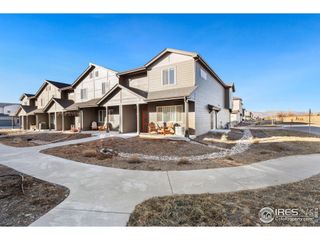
x=91, y=75
x=97, y=73
x=169, y=76
x=103, y=88
x=83, y=93
x=203, y=74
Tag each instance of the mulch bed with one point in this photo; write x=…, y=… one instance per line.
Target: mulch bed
x=230, y=209
x=35, y=139
x=87, y=153
x=21, y=208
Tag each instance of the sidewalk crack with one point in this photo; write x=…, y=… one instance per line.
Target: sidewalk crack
x=169, y=183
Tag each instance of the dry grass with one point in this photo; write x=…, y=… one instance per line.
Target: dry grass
x=228, y=209
x=35, y=139
x=18, y=209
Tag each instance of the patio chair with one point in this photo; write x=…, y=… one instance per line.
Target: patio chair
x=169, y=129
x=152, y=128
x=94, y=125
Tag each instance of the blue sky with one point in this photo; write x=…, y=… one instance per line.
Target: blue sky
x=274, y=60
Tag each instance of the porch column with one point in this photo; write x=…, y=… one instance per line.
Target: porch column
x=107, y=118
x=27, y=120
x=62, y=121
x=81, y=120
x=49, y=121
x=37, y=121
x=55, y=121
x=120, y=118
x=186, y=112
x=138, y=119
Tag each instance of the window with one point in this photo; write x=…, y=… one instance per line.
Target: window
x=97, y=73
x=101, y=115
x=91, y=75
x=83, y=93
x=103, y=88
x=169, y=113
x=168, y=76
x=203, y=74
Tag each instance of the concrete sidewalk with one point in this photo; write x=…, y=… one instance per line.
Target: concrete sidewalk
x=102, y=196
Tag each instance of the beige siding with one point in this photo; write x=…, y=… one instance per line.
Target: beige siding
x=22, y=113
x=94, y=84
x=184, y=75
x=139, y=82
x=71, y=96
x=123, y=97
x=47, y=93
x=209, y=91
x=55, y=108
x=25, y=101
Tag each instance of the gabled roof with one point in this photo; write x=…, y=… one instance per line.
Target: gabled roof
x=28, y=95
x=195, y=55
x=86, y=72
x=59, y=85
x=117, y=87
x=64, y=103
x=79, y=105
x=27, y=109
x=170, y=50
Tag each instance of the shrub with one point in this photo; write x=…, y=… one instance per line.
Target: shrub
x=183, y=161
x=256, y=141
x=134, y=159
x=89, y=153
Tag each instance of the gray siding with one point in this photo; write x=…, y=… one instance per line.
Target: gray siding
x=209, y=91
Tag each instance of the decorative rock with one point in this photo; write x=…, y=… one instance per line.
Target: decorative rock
x=108, y=152
x=241, y=146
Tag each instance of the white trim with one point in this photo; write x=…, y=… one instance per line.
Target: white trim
x=101, y=120
x=175, y=76
x=175, y=113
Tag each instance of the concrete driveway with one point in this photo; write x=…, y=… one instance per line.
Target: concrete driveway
x=102, y=196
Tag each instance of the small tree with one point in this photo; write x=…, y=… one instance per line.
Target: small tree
x=280, y=116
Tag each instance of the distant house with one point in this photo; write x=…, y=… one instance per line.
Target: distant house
x=248, y=115
x=7, y=115
x=61, y=106
x=237, y=110
x=173, y=88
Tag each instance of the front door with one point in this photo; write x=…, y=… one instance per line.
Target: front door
x=144, y=118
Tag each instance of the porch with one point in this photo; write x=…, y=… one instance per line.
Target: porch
x=171, y=117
